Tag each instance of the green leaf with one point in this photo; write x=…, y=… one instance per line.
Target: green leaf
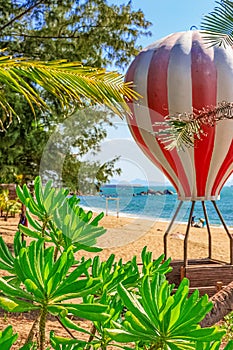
x=92, y=312
x=6, y=258
x=33, y=288
x=15, y=305
x=61, y=343
x=10, y=290
x=18, y=243
x=34, y=223
x=20, y=194
x=122, y=336
x=30, y=233
x=7, y=338
x=217, y=26
x=207, y=334
x=76, y=290
x=79, y=246
x=69, y=83
x=38, y=193
x=134, y=306
x=71, y=325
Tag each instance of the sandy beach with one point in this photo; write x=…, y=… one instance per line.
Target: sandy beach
x=126, y=237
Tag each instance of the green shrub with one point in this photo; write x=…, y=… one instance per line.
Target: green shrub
x=125, y=304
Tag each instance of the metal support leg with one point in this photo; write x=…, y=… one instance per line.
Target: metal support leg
x=208, y=230
x=169, y=228
x=187, y=234
x=227, y=231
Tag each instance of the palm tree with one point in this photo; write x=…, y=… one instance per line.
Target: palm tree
x=222, y=306
x=70, y=82
x=218, y=25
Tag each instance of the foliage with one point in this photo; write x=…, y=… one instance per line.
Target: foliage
x=7, y=258
x=60, y=220
x=69, y=157
x=150, y=266
x=217, y=26
x=124, y=302
x=182, y=129
x=21, y=145
x=59, y=30
x=227, y=325
x=93, y=32
x=7, y=338
x=30, y=139
x=49, y=286
x=7, y=205
x=161, y=320
x=86, y=176
x=69, y=82
x=60, y=343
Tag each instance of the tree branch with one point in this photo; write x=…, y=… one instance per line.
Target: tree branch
x=67, y=329
x=45, y=36
x=21, y=15
x=71, y=36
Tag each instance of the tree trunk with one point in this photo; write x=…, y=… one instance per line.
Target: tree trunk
x=223, y=305
x=6, y=216
x=42, y=325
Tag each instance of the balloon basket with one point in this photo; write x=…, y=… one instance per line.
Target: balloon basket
x=208, y=275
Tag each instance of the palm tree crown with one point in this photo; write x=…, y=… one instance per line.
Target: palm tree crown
x=70, y=82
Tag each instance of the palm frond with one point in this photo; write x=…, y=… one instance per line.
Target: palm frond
x=179, y=131
x=69, y=82
x=218, y=25
x=182, y=129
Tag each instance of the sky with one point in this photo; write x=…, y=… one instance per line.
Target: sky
x=167, y=16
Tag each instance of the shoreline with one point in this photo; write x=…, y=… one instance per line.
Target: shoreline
x=97, y=211
x=164, y=209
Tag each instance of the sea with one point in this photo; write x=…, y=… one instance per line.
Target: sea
x=159, y=207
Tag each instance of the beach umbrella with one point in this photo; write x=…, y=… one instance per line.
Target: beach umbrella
x=181, y=73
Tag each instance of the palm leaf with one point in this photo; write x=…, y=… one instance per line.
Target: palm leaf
x=182, y=129
x=218, y=25
x=179, y=133
x=69, y=82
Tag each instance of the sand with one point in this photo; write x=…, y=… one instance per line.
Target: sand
x=126, y=237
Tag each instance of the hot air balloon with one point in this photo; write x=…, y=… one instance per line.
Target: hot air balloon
x=181, y=73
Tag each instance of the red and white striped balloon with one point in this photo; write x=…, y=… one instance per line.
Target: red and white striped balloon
x=177, y=74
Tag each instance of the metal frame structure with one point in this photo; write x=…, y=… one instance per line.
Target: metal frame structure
x=188, y=230
x=117, y=204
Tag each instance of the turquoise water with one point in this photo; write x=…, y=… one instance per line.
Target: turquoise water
x=158, y=207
